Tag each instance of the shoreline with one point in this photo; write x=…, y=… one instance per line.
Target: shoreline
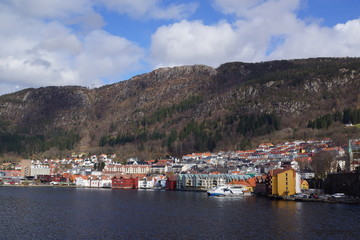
x=345, y=200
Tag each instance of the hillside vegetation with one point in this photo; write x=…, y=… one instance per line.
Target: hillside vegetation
x=187, y=109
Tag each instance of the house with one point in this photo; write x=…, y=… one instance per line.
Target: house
x=94, y=181
x=66, y=177
x=304, y=185
x=249, y=184
x=105, y=181
x=160, y=181
x=82, y=181
x=146, y=182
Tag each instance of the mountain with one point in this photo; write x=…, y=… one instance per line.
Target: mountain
x=186, y=109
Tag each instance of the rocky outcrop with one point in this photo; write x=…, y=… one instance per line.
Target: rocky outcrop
x=298, y=90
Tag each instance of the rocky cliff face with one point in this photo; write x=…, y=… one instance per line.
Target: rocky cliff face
x=46, y=108
x=169, y=99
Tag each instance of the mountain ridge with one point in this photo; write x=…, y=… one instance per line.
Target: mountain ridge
x=182, y=109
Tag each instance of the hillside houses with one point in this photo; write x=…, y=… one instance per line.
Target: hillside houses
x=193, y=171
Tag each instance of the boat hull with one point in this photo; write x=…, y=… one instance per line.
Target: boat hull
x=227, y=191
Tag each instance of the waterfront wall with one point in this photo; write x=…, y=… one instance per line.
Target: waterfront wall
x=348, y=183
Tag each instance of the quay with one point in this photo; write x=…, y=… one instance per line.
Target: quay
x=345, y=200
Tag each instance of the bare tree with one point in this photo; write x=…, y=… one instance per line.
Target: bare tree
x=322, y=163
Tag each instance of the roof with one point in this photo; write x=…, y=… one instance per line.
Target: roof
x=251, y=182
x=275, y=172
x=66, y=175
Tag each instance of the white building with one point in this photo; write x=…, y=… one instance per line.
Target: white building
x=127, y=169
x=39, y=170
x=93, y=181
x=82, y=181
x=146, y=183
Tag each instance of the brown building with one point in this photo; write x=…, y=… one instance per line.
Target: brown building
x=25, y=168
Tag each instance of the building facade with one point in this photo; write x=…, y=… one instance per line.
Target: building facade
x=284, y=182
x=25, y=168
x=206, y=181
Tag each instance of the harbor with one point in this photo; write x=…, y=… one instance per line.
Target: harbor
x=97, y=213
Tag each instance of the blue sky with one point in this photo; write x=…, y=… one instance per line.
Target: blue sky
x=95, y=42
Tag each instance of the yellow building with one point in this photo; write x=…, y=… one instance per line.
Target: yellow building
x=283, y=182
x=304, y=185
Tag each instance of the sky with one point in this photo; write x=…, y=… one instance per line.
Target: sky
x=97, y=42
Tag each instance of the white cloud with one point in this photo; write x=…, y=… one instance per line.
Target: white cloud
x=263, y=30
x=49, y=9
x=151, y=9
x=193, y=42
x=61, y=42
x=105, y=55
x=35, y=52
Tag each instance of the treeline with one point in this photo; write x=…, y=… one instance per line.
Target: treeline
x=347, y=116
x=296, y=72
x=123, y=138
x=26, y=144
x=254, y=124
x=161, y=114
x=204, y=135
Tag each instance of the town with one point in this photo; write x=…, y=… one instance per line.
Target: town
x=286, y=169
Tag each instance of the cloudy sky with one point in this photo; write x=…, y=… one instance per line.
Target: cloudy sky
x=96, y=42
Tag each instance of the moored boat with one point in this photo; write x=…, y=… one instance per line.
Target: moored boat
x=227, y=190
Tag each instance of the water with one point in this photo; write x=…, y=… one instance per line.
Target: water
x=70, y=213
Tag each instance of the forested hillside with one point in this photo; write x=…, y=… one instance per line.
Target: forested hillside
x=187, y=109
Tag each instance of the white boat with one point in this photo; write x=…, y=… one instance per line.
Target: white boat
x=227, y=190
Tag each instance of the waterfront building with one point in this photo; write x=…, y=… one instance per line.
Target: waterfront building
x=284, y=182
x=93, y=181
x=124, y=182
x=347, y=183
x=99, y=181
x=105, y=181
x=82, y=181
x=206, y=181
x=146, y=182
x=249, y=184
x=171, y=182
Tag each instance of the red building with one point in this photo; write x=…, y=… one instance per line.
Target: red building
x=49, y=178
x=171, y=182
x=124, y=183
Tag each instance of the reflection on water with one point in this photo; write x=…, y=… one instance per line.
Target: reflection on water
x=286, y=221
x=63, y=213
